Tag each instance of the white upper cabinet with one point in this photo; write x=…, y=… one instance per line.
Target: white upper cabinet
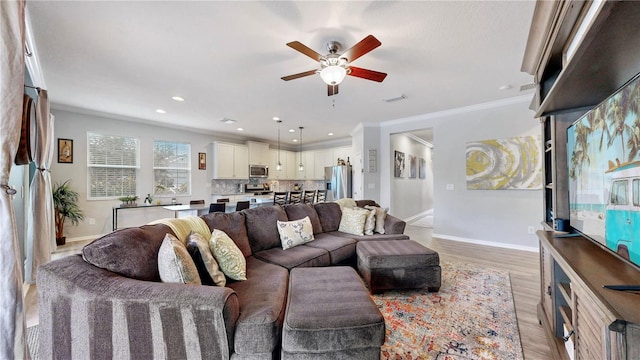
x=258, y=153
x=229, y=161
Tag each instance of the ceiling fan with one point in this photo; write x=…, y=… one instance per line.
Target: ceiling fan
x=334, y=66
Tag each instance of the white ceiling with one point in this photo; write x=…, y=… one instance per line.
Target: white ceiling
x=129, y=58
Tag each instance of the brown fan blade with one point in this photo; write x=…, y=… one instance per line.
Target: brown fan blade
x=296, y=45
x=332, y=90
x=302, y=74
x=364, y=46
x=367, y=74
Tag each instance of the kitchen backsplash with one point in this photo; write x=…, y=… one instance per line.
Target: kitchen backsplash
x=226, y=187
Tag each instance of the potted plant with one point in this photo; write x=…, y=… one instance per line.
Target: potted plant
x=65, y=204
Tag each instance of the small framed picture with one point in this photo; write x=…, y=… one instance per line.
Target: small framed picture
x=202, y=161
x=65, y=151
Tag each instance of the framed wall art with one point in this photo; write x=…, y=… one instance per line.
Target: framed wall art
x=65, y=151
x=202, y=161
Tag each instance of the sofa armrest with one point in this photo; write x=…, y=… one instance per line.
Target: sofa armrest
x=87, y=311
x=393, y=225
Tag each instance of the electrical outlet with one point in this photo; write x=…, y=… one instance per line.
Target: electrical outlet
x=450, y=187
x=92, y=221
x=531, y=230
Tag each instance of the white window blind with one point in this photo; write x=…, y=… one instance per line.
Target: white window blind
x=171, y=168
x=112, y=165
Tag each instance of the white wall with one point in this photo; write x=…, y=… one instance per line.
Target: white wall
x=501, y=217
x=411, y=196
x=75, y=126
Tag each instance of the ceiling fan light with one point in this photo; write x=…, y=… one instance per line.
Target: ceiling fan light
x=333, y=75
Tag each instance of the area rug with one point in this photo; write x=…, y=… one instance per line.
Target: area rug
x=471, y=317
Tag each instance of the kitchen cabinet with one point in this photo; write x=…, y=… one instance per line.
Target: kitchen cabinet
x=309, y=161
x=258, y=153
x=289, y=165
x=229, y=161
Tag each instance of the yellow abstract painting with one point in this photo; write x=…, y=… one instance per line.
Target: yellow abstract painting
x=504, y=164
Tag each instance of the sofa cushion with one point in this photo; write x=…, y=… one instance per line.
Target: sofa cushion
x=352, y=221
x=233, y=225
x=229, y=257
x=262, y=227
x=131, y=252
x=340, y=248
x=381, y=214
x=329, y=214
x=210, y=273
x=374, y=237
x=294, y=233
x=262, y=299
x=299, y=256
x=175, y=264
x=299, y=211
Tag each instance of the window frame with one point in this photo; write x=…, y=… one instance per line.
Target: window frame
x=90, y=166
x=188, y=169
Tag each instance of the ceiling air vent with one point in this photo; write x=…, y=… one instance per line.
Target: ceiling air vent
x=394, y=99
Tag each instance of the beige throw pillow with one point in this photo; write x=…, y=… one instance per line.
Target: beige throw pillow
x=228, y=255
x=381, y=214
x=210, y=273
x=175, y=264
x=346, y=203
x=294, y=233
x=352, y=221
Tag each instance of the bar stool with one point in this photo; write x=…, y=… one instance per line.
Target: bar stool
x=321, y=196
x=308, y=197
x=279, y=198
x=295, y=197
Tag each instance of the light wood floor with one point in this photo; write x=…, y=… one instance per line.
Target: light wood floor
x=523, y=267
x=524, y=270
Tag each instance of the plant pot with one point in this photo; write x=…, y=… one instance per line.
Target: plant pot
x=61, y=241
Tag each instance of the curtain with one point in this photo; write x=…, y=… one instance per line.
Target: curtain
x=12, y=321
x=40, y=224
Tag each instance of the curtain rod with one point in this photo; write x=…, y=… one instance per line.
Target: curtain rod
x=32, y=87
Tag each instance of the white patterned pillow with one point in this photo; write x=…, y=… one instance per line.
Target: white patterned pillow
x=294, y=233
x=352, y=221
x=228, y=255
x=175, y=264
x=370, y=222
x=381, y=214
x=210, y=273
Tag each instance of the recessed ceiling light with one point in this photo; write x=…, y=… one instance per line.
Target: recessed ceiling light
x=228, y=121
x=178, y=98
x=240, y=129
x=275, y=118
x=295, y=140
x=291, y=130
x=160, y=111
x=330, y=134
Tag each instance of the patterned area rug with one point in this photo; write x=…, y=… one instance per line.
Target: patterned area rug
x=471, y=317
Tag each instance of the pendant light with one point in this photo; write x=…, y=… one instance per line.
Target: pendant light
x=300, y=166
x=279, y=165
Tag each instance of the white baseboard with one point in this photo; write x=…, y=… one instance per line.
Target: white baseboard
x=85, y=238
x=418, y=215
x=488, y=243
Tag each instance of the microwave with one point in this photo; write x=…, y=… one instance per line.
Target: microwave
x=258, y=171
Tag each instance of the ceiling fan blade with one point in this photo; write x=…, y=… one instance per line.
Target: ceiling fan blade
x=332, y=90
x=296, y=45
x=364, y=46
x=299, y=75
x=367, y=74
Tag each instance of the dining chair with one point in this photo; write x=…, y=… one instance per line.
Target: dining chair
x=321, y=196
x=223, y=200
x=217, y=207
x=196, y=202
x=241, y=205
x=279, y=198
x=295, y=197
x=309, y=196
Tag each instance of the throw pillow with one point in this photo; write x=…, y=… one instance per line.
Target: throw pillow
x=381, y=214
x=228, y=255
x=352, y=221
x=294, y=233
x=175, y=264
x=346, y=203
x=210, y=273
x=370, y=222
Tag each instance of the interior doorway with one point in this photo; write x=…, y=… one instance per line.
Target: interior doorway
x=412, y=176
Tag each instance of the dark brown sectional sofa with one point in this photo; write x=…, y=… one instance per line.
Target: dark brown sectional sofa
x=112, y=304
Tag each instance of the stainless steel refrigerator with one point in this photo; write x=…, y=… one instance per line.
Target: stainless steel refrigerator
x=337, y=182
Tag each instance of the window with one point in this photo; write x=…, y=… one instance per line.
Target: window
x=636, y=192
x=171, y=168
x=619, y=193
x=112, y=166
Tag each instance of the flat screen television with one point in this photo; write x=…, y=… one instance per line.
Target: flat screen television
x=603, y=157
